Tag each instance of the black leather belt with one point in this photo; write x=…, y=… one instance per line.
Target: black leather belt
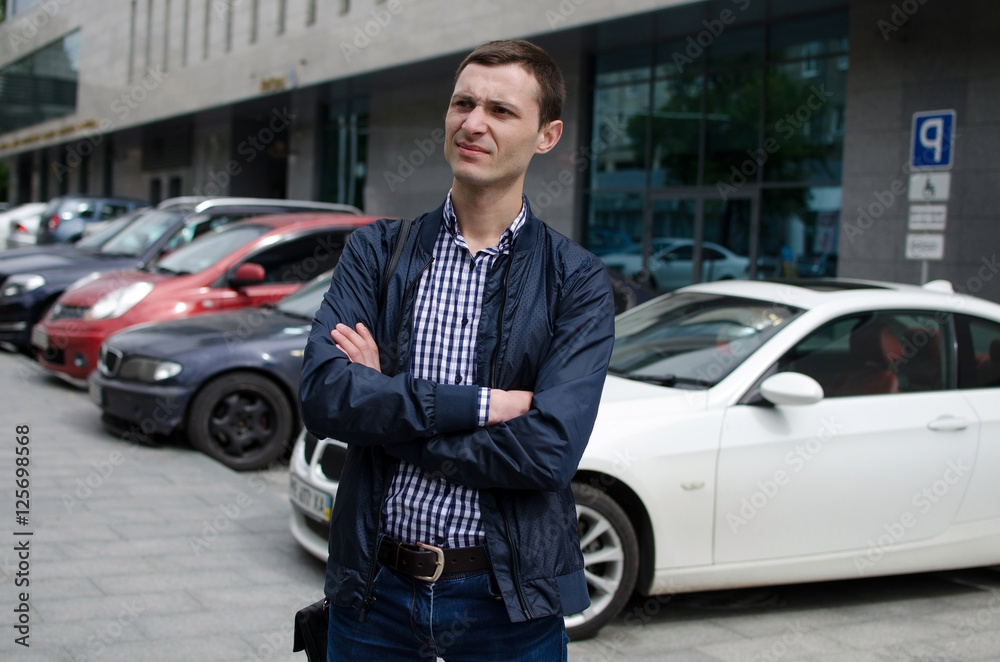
x=428, y=562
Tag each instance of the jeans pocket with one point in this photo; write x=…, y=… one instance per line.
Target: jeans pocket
x=494, y=587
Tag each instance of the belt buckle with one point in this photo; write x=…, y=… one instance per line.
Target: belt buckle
x=438, y=565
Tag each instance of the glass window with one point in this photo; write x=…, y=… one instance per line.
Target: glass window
x=876, y=353
x=809, y=37
x=732, y=123
x=621, y=114
x=806, y=104
x=978, y=352
x=298, y=260
x=628, y=66
x=800, y=230
x=141, y=234
x=202, y=254
x=41, y=86
x=614, y=225
x=676, y=131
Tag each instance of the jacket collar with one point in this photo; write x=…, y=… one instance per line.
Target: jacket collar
x=430, y=223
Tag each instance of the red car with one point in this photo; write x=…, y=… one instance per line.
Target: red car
x=249, y=263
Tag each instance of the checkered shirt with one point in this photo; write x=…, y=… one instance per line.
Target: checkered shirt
x=421, y=507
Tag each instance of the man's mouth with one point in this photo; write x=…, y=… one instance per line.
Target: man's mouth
x=468, y=147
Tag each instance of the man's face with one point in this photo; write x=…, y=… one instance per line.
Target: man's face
x=492, y=126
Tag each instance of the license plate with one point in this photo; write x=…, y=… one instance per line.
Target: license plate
x=314, y=502
x=40, y=338
x=95, y=393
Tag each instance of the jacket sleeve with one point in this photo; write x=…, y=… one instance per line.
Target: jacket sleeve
x=541, y=449
x=354, y=403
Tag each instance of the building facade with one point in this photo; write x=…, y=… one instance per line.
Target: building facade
x=704, y=139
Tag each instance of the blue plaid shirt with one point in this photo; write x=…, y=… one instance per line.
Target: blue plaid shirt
x=427, y=508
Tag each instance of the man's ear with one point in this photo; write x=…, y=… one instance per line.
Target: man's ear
x=548, y=136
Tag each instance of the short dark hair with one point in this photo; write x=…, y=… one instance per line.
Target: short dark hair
x=538, y=63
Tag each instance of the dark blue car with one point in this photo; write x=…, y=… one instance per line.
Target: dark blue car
x=226, y=381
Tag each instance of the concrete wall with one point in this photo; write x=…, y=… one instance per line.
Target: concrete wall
x=927, y=55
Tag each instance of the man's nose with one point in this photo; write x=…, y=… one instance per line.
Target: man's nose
x=475, y=121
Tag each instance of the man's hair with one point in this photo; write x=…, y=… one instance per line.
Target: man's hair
x=538, y=63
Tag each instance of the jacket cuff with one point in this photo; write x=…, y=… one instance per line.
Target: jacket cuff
x=456, y=408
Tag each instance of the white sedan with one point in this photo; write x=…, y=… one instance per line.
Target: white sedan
x=754, y=433
x=671, y=264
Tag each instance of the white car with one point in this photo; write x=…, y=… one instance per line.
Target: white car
x=671, y=264
x=754, y=433
x=19, y=225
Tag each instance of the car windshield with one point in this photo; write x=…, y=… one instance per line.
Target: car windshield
x=693, y=339
x=105, y=234
x=209, y=249
x=305, y=301
x=143, y=233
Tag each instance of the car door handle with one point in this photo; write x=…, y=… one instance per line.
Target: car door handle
x=948, y=424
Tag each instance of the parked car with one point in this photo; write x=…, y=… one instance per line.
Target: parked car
x=671, y=264
x=19, y=226
x=754, y=433
x=250, y=263
x=65, y=217
x=31, y=281
x=231, y=379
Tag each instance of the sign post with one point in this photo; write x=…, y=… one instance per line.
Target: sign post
x=932, y=139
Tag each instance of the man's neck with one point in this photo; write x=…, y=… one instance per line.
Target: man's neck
x=483, y=215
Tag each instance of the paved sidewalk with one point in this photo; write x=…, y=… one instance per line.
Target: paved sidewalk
x=140, y=553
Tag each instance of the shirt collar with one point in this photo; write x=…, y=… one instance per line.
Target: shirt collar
x=508, y=236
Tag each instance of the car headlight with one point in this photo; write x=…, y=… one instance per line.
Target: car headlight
x=19, y=284
x=118, y=302
x=148, y=370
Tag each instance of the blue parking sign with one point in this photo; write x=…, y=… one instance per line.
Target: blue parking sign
x=932, y=140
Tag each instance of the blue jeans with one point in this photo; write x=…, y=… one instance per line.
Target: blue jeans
x=459, y=618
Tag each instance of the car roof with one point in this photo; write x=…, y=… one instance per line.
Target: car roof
x=302, y=220
x=815, y=293
x=211, y=203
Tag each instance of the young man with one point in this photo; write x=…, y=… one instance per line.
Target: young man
x=466, y=398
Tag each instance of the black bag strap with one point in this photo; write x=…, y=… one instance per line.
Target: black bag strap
x=397, y=251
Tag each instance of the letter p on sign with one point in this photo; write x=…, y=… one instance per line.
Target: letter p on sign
x=932, y=140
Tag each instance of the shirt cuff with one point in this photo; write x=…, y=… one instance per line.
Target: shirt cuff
x=484, y=407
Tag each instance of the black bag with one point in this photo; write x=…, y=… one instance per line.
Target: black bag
x=312, y=622
x=311, y=625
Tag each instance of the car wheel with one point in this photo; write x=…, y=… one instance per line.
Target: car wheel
x=610, y=559
x=241, y=419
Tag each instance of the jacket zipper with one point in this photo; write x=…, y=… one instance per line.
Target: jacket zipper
x=493, y=366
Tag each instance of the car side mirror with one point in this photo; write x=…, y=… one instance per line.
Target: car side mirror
x=791, y=388
x=248, y=273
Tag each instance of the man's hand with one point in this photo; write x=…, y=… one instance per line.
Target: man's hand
x=358, y=344
x=505, y=405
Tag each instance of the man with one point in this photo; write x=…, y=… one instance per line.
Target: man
x=466, y=398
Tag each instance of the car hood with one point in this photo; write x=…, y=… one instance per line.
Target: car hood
x=214, y=331
x=90, y=293
x=53, y=262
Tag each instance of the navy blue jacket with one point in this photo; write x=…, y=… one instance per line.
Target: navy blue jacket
x=547, y=326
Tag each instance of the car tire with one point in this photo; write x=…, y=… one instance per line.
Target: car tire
x=610, y=557
x=242, y=419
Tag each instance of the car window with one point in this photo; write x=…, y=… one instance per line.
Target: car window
x=680, y=253
x=978, y=352
x=197, y=225
x=109, y=211
x=83, y=210
x=211, y=248
x=143, y=233
x=693, y=338
x=105, y=234
x=875, y=353
x=711, y=254
x=300, y=259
